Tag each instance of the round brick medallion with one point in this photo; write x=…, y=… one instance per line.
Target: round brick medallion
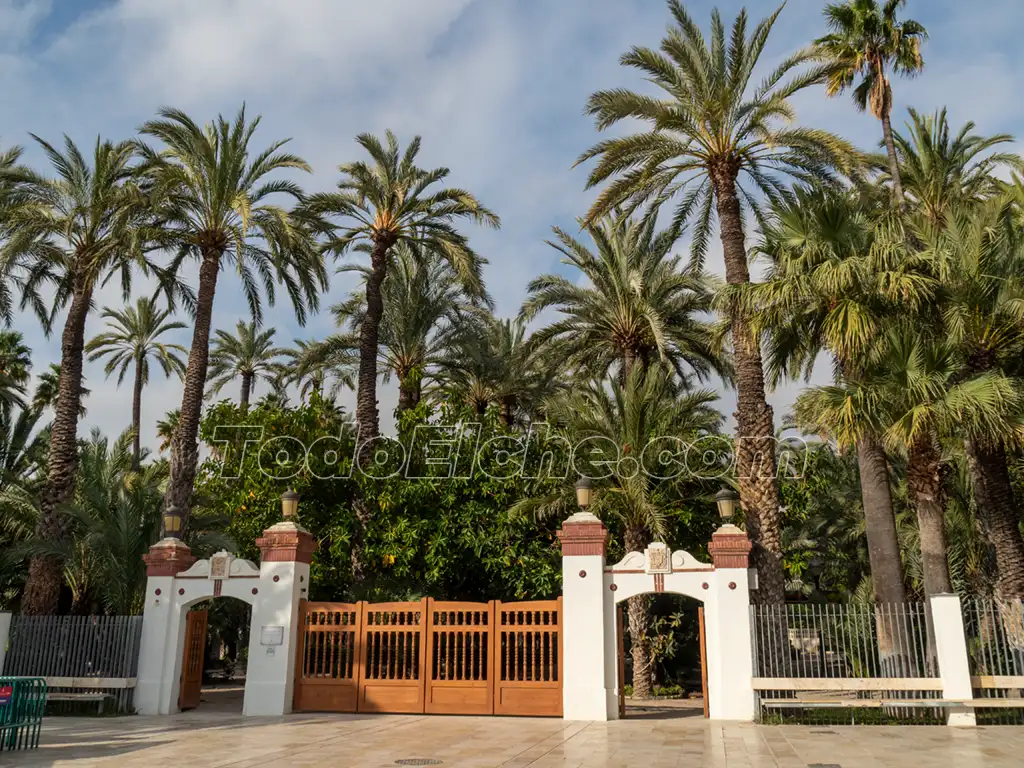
x=277, y=579
x=157, y=592
x=613, y=587
x=181, y=591
x=704, y=585
x=255, y=591
x=732, y=585
x=583, y=574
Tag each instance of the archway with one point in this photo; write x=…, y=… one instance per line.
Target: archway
x=215, y=654
x=592, y=683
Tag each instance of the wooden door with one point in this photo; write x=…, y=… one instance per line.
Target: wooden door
x=392, y=654
x=327, y=662
x=620, y=658
x=703, y=659
x=460, y=658
x=528, y=654
x=192, y=663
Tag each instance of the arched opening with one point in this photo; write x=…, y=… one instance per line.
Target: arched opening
x=215, y=655
x=675, y=656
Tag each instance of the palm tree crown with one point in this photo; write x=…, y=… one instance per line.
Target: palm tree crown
x=248, y=353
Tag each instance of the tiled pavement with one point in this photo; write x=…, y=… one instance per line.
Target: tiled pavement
x=195, y=739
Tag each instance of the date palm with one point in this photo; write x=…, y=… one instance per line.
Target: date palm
x=821, y=295
x=638, y=304
x=166, y=427
x=312, y=375
x=644, y=409
x=47, y=391
x=216, y=195
x=378, y=205
x=716, y=139
x=866, y=41
x=248, y=354
x=15, y=359
x=72, y=231
x=132, y=340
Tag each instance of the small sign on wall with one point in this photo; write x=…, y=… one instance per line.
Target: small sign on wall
x=272, y=636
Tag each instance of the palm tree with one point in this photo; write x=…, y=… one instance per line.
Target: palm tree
x=312, y=376
x=75, y=231
x=866, y=40
x=132, y=339
x=648, y=406
x=249, y=354
x=47, y=391
x=914, y=395
x=15, y=359
x=166, y=427
x=711, y=126
x=215, y=202
x=822, y=295
x=639, y=304
x=382, y=204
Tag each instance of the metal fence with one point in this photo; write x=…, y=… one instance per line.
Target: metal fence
x=842, y=663
x=96, y=647
x=995, y=645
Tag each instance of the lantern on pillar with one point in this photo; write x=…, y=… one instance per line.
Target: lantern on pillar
x=726, y=500
x=584, y=490
x=290, y=505
x=172, y=523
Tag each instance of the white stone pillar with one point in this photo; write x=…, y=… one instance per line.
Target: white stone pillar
x=286, y=549
x=5, y=636
x=159, y=651
x=727, y=627
x=954, y=662
x=587, y=694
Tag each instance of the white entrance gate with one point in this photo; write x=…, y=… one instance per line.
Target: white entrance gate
x=591, y=590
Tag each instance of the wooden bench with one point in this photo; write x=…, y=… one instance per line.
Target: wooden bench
x=879, y=703
x=95, y=688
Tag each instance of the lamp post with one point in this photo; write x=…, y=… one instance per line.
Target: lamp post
x=584, y=490
x=290, y=505
x=726, y=500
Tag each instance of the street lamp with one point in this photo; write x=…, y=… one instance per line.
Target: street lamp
x=583, y=492
x=172, y=523
x=726, y=500
x=289, y=505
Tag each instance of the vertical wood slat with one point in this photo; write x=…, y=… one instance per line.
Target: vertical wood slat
x=459, y=676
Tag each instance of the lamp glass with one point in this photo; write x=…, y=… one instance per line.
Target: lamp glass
x=583, y=492
x=172, y=523
x=726, y=501
x=289, y=504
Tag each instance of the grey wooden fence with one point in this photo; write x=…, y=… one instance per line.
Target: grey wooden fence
x=77, y=646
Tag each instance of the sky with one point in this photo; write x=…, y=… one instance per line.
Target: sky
x=496, y=89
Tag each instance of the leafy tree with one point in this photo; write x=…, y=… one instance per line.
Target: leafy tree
x=214, y=197
x=249, y=354
x=710, y=127
x=866, y=41
x=72, y=231
x=131, y=341
x=639, y=304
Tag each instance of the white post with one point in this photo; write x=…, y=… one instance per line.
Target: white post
x=586, y=693
x=159, y=651
x=286, y=549
x=5, y=636
x=954, y=662
x=727, y=627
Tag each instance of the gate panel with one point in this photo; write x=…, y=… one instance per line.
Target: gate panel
x=392, y=655
x=327, y=665
x=528, y=651
x=460, y=658
x=192, y=663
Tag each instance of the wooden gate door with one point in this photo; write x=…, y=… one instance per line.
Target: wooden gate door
x=528, y=652
x=392, y=652
x=192, y=663
x=620, y=660
x=460, y=658
x=327, y=664
x=703, y=659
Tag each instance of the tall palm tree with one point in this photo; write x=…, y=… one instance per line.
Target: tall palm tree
x=648, y=406
x=47, y=391
x=248, y=353
x=822, y=295
x=312, y=376
x=215, y=197
x=914, y=394
x=867, y=41
x=639, y=304
x=379, y=205
x=131, y=341
x=711, y=127
x=74, y=231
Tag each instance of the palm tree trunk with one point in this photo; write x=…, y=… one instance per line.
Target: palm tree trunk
x=406, y=394
x=137, y=417
x=628, y=361
x=997, y=509
x=755, y=423
x=508, y=412
x=639, y=610
x=880, y=523
x=246, y=390
x=894, y=166
x=924, y=481
x=42, y=589
x=184, y=443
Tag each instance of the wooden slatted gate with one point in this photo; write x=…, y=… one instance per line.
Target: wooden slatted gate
x=191, y=686
x=430, y=656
